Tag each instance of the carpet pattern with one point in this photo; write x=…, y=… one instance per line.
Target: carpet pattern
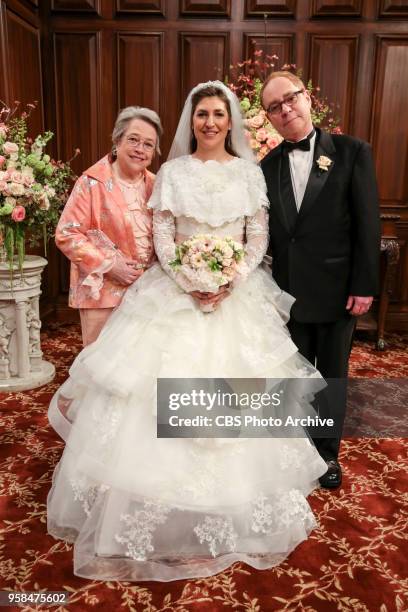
x=354, y=562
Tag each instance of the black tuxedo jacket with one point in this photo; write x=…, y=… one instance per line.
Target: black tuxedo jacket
x=332, y=249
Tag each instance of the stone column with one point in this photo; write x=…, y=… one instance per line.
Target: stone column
x=21, y=363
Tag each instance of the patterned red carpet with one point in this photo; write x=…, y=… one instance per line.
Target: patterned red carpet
x=355, y=561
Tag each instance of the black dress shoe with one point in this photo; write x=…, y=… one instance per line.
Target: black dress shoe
x=332, y=478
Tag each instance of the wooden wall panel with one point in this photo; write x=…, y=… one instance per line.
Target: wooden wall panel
x=24, y=75
x=274, y=8
x=76, y=96
x=273, y=44
x=197, y=8
x=393, y=8
x=389, y=127
x=140, y=55
x=335, y=55
x=139, y=58
x=92, y=6
x=195, y=47
x=336, y=8
x=76, y=89
x=149, y=7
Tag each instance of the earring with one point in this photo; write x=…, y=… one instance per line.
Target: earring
x=114, y=150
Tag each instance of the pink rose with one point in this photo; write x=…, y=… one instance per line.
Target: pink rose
x=261, y=135
x=18, y=214
x=256, y=122
x=272, y=142
x=4, y=175
x=3, y=186
x=16, y=177
x=10, y=147
x=2, y=160
x=28, y=180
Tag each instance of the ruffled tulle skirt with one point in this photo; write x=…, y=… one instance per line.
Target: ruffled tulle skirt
x=139, y=507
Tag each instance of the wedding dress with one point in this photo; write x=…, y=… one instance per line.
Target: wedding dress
x=142, y=508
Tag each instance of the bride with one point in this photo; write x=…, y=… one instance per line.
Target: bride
x=138, y=507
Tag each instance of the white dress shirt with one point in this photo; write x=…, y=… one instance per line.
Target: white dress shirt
x=300, y=163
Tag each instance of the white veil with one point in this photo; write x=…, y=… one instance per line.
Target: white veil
x=239, y=143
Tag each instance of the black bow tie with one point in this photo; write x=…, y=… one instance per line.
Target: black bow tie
x=303, y=145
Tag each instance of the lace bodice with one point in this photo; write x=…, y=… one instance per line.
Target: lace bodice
x=224, y=199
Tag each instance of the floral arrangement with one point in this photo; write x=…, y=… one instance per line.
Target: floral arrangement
x=247, y=79
x=33, y=187
x=209, y=261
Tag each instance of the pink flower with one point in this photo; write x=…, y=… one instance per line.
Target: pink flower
x=18, y=214
x=10, y=147
x=2, y=160
x=3, y=186
x=257, y=121
x=28, y=180
x=272, y=142
x=261, y=135
x=3, y=130
x=16, y=177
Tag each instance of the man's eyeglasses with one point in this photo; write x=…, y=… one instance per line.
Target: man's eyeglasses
x=290, y=100
x=147, y=145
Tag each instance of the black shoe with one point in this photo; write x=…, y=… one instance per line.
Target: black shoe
x=332, y=478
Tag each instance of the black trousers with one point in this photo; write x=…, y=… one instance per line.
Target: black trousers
x=327, y=346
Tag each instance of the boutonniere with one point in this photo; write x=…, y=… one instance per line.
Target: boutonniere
x=324, y=163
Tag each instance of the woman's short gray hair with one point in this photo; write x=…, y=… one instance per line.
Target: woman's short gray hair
x=126, y=115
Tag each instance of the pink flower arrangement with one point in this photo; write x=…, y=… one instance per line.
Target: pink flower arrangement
x=247, y=80
x=33, y=187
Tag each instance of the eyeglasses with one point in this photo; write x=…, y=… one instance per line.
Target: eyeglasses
x=290, y=100
x=135, y=141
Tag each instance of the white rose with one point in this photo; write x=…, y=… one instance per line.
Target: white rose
x=44, y=202
x=10, y=147
x=16, y=189
x=10, y=200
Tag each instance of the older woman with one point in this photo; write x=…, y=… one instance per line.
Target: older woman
x=106, y=228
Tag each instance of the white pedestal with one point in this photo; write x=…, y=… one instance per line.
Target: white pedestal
x=21, y=364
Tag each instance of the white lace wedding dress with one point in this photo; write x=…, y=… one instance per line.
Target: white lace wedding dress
x=142, y=508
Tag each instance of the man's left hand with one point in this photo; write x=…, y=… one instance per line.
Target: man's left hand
x=357, y=305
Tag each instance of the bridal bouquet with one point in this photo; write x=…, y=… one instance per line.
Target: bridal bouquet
x=209, y=262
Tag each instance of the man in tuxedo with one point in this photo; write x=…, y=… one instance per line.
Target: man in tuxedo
x=324, y=240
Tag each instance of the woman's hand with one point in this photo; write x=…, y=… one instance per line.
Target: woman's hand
x=125, y=271
x=212, y=298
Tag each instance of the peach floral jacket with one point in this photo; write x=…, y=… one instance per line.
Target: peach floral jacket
x=97, y=203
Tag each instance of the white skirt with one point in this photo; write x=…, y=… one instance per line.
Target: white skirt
x=142, y=508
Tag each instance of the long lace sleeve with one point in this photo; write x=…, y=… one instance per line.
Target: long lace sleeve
x=257, y=236
x=164, y=231
x=256, y=226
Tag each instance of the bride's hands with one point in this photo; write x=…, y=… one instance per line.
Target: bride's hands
x=214, y=299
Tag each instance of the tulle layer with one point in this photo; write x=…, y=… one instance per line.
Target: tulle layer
x=143, y=508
